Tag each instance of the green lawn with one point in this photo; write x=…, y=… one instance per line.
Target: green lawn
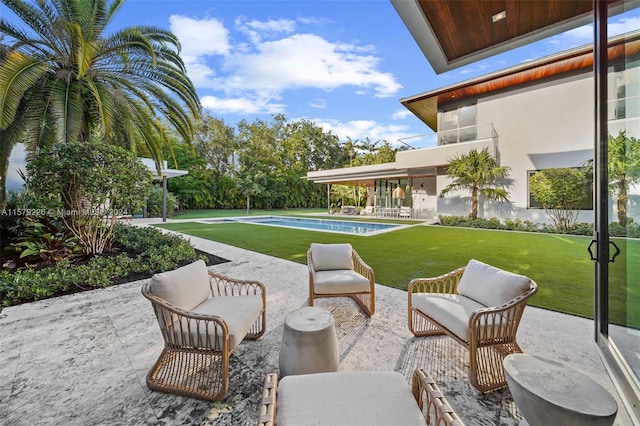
x=559, y=264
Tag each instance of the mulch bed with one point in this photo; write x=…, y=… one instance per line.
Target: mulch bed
x=212, y=260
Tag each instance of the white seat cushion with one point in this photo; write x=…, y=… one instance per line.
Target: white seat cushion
x=239, y=312
x=450, y=310
x=185, y=287
x=491, y=286
x=331, y=256
x=338, y=282
x=347, y=398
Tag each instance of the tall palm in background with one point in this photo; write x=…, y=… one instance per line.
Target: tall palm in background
x=624, y=170
x=63, y=79
x=479, y=173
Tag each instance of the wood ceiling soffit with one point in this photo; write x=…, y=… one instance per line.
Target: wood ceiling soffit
x=463, y=27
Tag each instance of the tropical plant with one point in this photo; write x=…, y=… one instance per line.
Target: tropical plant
x=479, y=173
x=44, y=239
x=561, y=192
x=154, y=202
x=87, y=185
x=624, y=170
x=63, y=79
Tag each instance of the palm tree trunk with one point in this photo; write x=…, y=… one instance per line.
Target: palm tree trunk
x=474, y=203
x=622, y=202
x=5, y=153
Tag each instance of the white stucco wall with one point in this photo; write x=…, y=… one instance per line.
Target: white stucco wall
x=541, y=126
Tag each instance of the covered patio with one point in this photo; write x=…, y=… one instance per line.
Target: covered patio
x=82, y=359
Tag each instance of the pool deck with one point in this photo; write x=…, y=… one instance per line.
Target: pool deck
x=82, y=359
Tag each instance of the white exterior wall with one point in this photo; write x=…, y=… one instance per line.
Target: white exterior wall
x=542, y=126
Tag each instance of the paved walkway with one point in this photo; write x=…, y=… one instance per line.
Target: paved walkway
x=82, y=359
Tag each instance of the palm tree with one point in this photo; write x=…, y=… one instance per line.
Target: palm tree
x=478, y=173
x=63, y=79
x=624, y=170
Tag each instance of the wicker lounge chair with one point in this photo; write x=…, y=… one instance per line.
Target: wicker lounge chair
x=337, y=270
x=203, y=317
x=480, y=306
x=354, y=398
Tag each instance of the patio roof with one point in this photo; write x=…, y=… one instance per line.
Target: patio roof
x=82, y=358
x=456, y=33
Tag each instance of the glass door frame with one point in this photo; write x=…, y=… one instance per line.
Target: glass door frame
x=618, y=367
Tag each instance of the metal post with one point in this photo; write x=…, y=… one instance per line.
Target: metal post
x=329, y=198
x=164, y=198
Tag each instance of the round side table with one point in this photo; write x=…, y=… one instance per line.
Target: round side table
x=309, y=342
x=550, y=393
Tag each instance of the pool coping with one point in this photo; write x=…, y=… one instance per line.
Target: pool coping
x=394, y=226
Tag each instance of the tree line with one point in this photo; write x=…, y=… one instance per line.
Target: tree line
x=262, y=164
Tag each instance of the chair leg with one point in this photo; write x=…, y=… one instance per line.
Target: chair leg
x=485, y=366
x=366, y=302
x=420, y=325
x=191, y=372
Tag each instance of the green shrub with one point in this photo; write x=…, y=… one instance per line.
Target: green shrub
x=153, y=251
x=468, y=222
x=579, y=228
x=154, y=203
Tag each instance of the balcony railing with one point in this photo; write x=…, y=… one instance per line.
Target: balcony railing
x=448, y=137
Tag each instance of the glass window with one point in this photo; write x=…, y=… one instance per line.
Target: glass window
x=457, y=124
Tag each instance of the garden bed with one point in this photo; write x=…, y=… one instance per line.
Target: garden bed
x=137, y=253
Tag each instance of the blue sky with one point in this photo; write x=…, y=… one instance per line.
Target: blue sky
x=343, y=64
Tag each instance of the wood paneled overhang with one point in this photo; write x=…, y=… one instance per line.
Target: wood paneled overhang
x=456, y=33
x=425, y=106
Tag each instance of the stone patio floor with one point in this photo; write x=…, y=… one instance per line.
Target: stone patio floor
x=82, y=359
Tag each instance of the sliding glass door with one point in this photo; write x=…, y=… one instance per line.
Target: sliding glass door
x=617, y=75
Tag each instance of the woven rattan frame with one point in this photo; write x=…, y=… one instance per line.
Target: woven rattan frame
x=199, y=369
x=428, y=396
x=492, y=334
x=366, y=300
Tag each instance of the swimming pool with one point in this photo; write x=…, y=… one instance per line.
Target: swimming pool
x=324, y=225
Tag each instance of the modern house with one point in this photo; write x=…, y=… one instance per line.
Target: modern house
x=533, y=116
x=557, y=111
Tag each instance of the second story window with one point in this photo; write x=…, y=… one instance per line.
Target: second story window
x=457, y=124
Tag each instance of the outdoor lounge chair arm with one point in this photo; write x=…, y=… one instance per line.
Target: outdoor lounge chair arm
x=428, y=396
x=362, y=268
x=500, y=322
x=225, y=286
x=447, y=283
x=268, y=404
x=178, y=325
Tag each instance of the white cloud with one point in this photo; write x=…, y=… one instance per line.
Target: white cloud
x=271, y=60
x=584, y=35
x=401, y=114
x=241, y=105
x=624, y=25
x=308, y=60
x=318, y=103
x=200, y=37
x=258, y=30
x=362, y=129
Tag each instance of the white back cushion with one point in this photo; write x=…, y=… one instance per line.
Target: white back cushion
x=489, y=285
x=329, y=257
x=185, y=287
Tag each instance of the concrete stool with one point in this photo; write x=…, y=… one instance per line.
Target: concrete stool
x=550, y=393
x=309, y=342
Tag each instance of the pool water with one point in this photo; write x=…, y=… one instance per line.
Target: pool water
x=326, y=225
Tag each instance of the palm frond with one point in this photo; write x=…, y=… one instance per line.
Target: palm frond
x=18, y=72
